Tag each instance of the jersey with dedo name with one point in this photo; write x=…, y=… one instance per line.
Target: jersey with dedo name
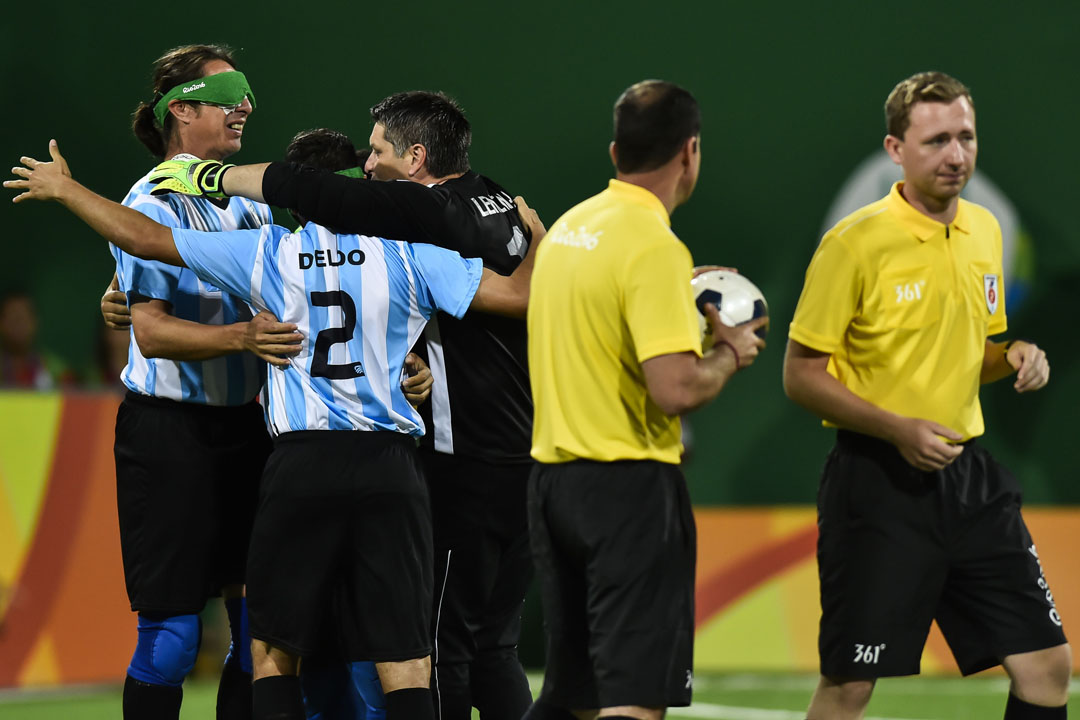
x=228, y=380
x=481, y=402
x=360, y=303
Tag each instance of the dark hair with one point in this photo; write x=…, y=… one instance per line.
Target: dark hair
x=433, y=120
x=920, y=87
x=322, y=148
x=653, y=119
x=175, y=67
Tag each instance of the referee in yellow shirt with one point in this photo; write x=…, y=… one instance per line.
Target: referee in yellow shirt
x=614, y=356
x=890, y=344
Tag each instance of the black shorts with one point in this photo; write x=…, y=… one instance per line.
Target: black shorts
x=899, y=547
x=483, y=565
x=342, y=548
x=615, y=547
x=187, y=480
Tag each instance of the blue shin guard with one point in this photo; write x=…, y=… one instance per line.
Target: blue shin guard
x=239, y=640
x=335, y=690
x=366, y=681
x=166, y=650
x=328, y=691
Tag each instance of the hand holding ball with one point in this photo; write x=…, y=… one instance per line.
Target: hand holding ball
x=738, y=300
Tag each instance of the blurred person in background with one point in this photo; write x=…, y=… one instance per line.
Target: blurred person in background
x=23, y=364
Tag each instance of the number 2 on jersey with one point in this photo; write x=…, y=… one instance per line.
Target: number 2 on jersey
x=320, y=360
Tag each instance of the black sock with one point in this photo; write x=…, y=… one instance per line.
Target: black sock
x=450, y=691
x=143, y=701
x=410, y=704
x=543, y=710
x=277, y=698
x=500, y=688
x=234, y=692
x=1017, y=709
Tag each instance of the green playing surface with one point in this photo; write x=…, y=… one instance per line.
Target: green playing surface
x=720, y=697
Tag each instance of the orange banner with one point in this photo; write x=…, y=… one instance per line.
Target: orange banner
x=64, y=615
x=757, y=587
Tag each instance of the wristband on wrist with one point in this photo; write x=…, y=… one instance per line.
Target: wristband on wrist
x=209, y=176
x=1005, y=353
x=220, y=179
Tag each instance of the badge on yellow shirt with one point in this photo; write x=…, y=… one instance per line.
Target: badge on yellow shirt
x=990, y=291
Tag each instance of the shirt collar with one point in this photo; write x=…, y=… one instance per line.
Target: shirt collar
x=920, y=225
x=640, y=195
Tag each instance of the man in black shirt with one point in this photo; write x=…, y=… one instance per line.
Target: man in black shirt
x=479, y=420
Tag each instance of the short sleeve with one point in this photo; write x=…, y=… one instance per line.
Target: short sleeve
x=998, y=321
x=149, y=278
x=225, y=259
x=830, y=297
x=449, y=281
x=658, y=302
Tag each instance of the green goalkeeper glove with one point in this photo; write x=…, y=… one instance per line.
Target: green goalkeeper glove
x=189, y=177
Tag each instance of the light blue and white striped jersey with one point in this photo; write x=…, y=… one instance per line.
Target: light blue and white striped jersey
x=229, y=380
x=360, y=302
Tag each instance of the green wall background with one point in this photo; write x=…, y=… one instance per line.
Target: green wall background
x=791, y=95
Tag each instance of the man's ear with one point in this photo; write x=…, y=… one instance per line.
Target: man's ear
x=417, y=158
x=895, y=147
x=613, y=153
x=183, y=112
x=690, y=149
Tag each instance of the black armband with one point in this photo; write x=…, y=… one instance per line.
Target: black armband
x=1005, y=353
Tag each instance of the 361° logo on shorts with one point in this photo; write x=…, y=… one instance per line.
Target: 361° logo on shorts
x=868, y=654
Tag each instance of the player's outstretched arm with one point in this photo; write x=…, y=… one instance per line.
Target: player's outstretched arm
x=131, y=231
x=509, y=294
x=245, y=181
x=206, y=178
x=400, y=210
x=808, y=383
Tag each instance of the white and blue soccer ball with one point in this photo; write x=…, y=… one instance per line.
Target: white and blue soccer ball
x=738, y=300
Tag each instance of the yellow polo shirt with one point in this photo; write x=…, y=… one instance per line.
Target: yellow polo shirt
x=610, y=289
x=904, y=305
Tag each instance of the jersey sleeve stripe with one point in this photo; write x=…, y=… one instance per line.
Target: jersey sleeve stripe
x=398, y=326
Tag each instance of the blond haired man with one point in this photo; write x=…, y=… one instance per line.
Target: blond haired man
x=890, y=343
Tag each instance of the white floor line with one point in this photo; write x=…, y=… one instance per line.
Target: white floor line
x=930, y=685
x=22, y=695
x=732, y=712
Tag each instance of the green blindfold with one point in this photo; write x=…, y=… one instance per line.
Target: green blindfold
x=227, y=88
